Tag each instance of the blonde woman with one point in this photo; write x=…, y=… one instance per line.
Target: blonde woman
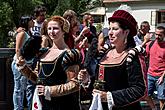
x=58, y=70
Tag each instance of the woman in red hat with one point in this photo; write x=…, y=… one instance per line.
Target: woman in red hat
x=122, y=78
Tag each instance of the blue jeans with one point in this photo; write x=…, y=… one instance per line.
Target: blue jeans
x=21, y=86
x=153, y=85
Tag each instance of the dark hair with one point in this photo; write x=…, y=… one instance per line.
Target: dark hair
x=145, y=22
x=130, y=39
x=39, y=9
x=127, y=19
x=23, y=22
x=161, y=28
x=31, y=47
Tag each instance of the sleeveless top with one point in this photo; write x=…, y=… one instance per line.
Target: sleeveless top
x=26, y=37
x=53, y=73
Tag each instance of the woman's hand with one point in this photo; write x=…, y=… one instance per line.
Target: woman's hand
x=41, y=89
x=45, y=91
x=103, y=94
x=20, y=61
x=83, y=76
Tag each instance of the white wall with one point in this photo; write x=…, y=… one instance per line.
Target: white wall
x=144, y=15
x=140, y=10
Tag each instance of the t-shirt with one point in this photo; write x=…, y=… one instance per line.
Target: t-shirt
x=36, y=29
x=156, y=58
x=137, y=40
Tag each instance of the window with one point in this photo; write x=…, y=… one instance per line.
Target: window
x=161, y=16
x=157, y=17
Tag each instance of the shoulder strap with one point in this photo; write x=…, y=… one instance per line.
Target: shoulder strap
x=150, y=45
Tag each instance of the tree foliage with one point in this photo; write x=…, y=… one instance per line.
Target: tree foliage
x=6, y=22
x=12, y=10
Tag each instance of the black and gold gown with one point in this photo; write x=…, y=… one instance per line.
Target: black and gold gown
x=53, y=73
x=125, y=81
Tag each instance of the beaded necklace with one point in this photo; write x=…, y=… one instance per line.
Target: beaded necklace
x=50, y=72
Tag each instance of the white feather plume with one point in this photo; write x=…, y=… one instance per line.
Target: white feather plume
x=125, y=7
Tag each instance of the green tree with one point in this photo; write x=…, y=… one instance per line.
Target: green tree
x=12, y=10
x=6, y=23
x=20, y=8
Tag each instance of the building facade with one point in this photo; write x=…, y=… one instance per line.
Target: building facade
x=152, y=11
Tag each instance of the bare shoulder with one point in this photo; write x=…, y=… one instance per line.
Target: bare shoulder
x=20, y=34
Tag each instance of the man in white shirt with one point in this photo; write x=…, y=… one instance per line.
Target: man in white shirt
x=36, y=24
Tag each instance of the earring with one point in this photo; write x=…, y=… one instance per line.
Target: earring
x=125, y=41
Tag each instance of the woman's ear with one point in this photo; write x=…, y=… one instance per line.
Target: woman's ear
x=127, y=31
